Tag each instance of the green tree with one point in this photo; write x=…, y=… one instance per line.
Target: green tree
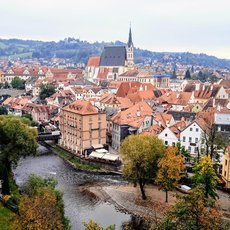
x=214, y=141
x=191, y=213
x=140, y=155
x=18, y=83
x=3, y=110
x=46, y=90
x=171, y=167
x=187, y=75
x=205, y=175
x=17, y=140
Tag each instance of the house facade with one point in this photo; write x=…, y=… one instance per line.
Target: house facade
x=81, y=126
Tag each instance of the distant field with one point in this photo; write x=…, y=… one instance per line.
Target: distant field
x=22, y=55
x=3, y=46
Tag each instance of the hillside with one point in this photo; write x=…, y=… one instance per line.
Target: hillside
x=79, y=51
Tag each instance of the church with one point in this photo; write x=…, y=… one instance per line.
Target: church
x=114, y=60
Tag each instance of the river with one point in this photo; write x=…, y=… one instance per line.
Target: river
x=79, y=208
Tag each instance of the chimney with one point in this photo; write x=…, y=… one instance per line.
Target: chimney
x=197, y=86
x=138, y=113
x=213, y=102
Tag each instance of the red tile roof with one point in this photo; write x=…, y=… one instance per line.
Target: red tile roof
x=94, y=61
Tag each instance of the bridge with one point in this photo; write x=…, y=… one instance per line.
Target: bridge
x=49, y=136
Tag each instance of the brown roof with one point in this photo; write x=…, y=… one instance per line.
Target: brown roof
x=153, y=130
x=94, y=61
x=134, y=115
x=81, y=107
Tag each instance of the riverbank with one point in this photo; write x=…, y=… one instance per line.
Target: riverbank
x=128, y=199
x=79, y=164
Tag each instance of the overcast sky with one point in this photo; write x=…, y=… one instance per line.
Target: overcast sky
x=198, y=26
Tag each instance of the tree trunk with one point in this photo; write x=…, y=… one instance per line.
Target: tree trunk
x=5, y=184
x=166, y=196
x=142, y=189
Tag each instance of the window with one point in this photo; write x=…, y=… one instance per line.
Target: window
x=196, y=150
x=226, y=162
x=173, y=144
x=225, y=173
x=189, y=149
x=197, y=130
x=190, y=129
x=166, y=134
x=166, y=142
x=190, y=139
x=184, y=139
x=196, y=140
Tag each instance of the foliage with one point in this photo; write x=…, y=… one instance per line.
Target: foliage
x=94, y=226
x=75, y=161
x=140, y=155
x=214, y=141
x=171, y=168
x=41, y=207
x=3, y=110
x=191, y=213
x=187, y=74
x=183, y=151
x=205, y=175
x=17, y=140
x=46, y=90
x=18, y=83
x=6, y=218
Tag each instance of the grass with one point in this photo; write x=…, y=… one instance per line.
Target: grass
x=77, y=163
x=6, y=217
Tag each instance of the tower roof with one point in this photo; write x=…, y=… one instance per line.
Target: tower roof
x=130, y=41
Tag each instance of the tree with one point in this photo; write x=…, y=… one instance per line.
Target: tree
x=191, y=213
x=46, y=90
x=17, y=140
x=187, y=75
x=140, y=155
x=18, y=83
x=171, y=167
x=174, y=76
x=214, y=141
x=205, y=175
x=3, y=110
x=41, y=207
x=94, y=226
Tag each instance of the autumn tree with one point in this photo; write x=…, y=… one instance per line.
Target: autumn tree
x=171, y=168
x=92, y=225
x=41, y=207
x=46, y=90
x=191, y=213
x=17, y=140
x=205, y=175
x=140, y=156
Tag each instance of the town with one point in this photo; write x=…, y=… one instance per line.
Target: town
x=88, y=111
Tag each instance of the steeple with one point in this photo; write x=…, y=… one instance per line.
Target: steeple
x=130, y=41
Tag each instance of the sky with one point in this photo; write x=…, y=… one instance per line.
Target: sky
x=198, y=26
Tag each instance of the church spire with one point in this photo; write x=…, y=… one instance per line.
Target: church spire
x=130, y=41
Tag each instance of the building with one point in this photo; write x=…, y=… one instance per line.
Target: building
x=82, y=125
x=133, y=120
x=226, y=167
x=191, y=136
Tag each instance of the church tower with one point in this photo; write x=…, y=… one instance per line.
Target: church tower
x=129, y=50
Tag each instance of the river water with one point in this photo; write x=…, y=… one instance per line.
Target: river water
x=79, y=208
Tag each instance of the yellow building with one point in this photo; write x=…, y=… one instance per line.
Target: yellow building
x=82, y=126
x=226, y=167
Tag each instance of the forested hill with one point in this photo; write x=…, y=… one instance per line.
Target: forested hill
x=79, y=51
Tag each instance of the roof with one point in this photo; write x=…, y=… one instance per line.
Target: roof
x=129, y=73
x=153, y=130
x=177, y=115
x=133, y=116
x=82, y=81
x=113, y=56
x=81, y=107
x=94, y=61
